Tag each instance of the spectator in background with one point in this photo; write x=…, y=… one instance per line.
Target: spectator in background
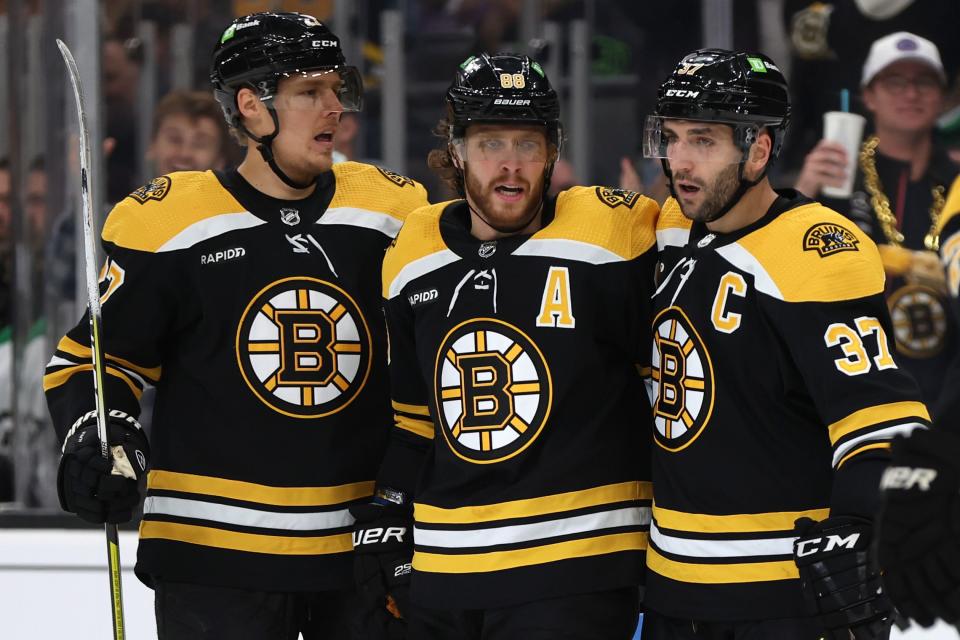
x=828, y=38
x=898, y=196
x=121, y=60
x=189, y=134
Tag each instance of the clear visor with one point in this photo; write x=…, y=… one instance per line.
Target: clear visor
x=714, y=141
x=503, y=146
x=338, y=89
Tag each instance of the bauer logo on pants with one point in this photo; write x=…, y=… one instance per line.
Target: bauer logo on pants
x=493, y=390
x=304, y=347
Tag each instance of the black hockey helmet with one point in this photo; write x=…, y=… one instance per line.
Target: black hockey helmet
x=730, y=87
x=503, y=88
x=260, y=49
x=744, y=90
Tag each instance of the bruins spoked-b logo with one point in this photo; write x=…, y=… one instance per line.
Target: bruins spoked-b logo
x=304, y=347
x=682, y=390
x=493, y=390
x=919, y=321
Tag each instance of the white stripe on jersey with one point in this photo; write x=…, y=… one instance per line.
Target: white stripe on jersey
x=210, y=228
x=376, y=220
x=672, y=238
x=698, y=548
x=742, y=259
x=567, y=250
x=420, y=267
x=881, y=436
x=491, y=536
x=244, y=516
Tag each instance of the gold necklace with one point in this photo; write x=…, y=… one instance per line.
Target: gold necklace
x=881, y=204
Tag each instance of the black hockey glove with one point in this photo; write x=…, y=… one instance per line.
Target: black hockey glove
x=95, y=489
x=840, y=586
x=919, y=526
x=383, y=544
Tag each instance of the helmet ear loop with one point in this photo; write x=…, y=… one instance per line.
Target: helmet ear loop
x=460, y=166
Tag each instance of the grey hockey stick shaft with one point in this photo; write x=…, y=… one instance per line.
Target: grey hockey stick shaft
x=96, y=329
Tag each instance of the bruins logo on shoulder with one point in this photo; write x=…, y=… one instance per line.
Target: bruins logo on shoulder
x=493, y=390
x=681, y=390
x=395, y=178
x=614, y=198
x=156, y=189
x=303, y=347
x=828, y=238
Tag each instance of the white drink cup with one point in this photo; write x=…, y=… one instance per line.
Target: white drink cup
x=845, y=129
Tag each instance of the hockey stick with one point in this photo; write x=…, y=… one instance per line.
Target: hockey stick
x=96, y=330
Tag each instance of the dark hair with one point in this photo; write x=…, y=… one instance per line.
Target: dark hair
x=194, y=105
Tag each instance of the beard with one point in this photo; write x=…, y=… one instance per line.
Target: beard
x=504, y=217
x=715, y=196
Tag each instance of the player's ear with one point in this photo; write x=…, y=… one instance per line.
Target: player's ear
x=455, y=156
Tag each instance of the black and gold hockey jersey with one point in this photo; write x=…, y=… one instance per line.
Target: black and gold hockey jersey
x=516, y=377
x=775, y=396
x=259, y=322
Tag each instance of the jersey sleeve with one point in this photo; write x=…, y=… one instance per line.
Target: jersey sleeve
x=643, y=265
x=412, y=433
x=139, y=300
x=948, y=409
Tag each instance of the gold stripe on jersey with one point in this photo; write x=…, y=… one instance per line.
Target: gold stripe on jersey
x=192, y=197
x=864, y=418
x=422, y=428
x=804, y=275
x=263, y=494
x=74, y=348
x=249, y=542
x=737, y=523
x=569, y=501
x=60, y=376
x=419, y=239
x=726, y=573
x=364, y=186
x=501, y=560
x=883, y=446
x=951, y=208
x=416, y=409
x=581, y=216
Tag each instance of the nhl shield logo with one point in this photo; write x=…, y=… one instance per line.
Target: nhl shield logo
x=828, y=238
x=493, y=390
x=395, y=178
x=156, y=189
x=614, y=198
x=290, y=217
x=303, y=347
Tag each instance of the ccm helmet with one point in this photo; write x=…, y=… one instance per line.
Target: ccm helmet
x=746, y=91
x=258, y=50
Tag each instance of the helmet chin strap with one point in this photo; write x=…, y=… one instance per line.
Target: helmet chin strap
x=744, y=186
x=264, y=147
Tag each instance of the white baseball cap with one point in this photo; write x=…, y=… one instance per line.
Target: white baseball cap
x=897, y=47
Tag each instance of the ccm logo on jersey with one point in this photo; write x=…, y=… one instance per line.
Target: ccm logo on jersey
x=222, y=256
x=423, y=296
x=908, y=478
x=378, y=535
x=323, y=43
x=682, y=93
x=829, y=543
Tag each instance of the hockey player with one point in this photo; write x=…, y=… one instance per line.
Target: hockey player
x=775, y=392
x=250, y=299
x=517, y=326
x=919, y=536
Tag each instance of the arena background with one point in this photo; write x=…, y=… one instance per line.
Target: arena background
x=605, y=57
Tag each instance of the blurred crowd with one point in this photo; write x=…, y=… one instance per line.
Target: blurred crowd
x=821, y=46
